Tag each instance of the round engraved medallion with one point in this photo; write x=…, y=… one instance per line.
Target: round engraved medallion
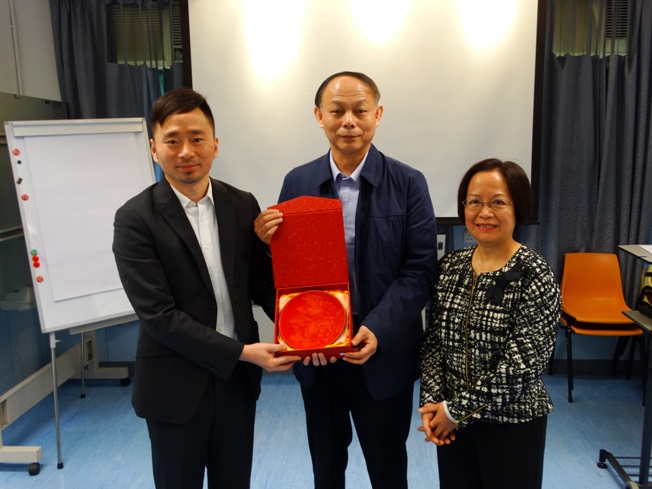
x=312, y=319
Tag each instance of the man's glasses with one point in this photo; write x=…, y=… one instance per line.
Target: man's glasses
x=494, y=205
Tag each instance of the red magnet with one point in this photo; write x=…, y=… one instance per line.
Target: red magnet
x=16, y=152
x=24, y=197
x=39, y=279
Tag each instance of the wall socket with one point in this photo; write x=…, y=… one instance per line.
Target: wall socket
x=441, y=246
x=467, y=236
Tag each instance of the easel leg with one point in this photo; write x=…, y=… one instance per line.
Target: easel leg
x=53, y=353
x=82, y=366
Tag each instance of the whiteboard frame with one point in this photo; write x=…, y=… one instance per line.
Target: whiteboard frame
x=95, y=310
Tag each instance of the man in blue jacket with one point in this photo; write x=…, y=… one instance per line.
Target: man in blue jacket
x=391, y=237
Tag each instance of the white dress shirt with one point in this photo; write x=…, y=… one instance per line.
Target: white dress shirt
x=203, y=220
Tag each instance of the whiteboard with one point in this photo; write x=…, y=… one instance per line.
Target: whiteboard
x=457, y=81
x=71, y=176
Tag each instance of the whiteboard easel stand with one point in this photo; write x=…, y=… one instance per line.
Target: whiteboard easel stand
x=88, y=358
x=18, y=400
x=54, y=158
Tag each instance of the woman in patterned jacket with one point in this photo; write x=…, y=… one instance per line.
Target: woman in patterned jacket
x=491, y=330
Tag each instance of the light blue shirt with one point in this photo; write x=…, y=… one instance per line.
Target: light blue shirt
x=347, y=189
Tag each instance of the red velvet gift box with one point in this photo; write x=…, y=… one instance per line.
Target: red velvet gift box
x=313, y=304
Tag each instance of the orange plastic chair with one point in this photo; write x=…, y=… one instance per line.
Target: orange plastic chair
x=593, y=304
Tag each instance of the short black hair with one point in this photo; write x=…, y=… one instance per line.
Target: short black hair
x=517, y=183
x=354, y=74
x=179, y=101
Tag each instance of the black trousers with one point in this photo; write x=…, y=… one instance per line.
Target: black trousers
x=219, y=438
x=339, y=395
x=494, y=456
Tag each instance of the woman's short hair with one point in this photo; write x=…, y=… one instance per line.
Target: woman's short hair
x=517, y=183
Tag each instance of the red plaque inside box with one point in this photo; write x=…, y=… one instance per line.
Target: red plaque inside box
x=309, y=257
x=313, y=319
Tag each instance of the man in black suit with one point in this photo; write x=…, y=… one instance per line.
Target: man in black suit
x=191, y=265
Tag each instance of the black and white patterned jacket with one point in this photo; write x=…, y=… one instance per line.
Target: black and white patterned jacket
x=487, y=343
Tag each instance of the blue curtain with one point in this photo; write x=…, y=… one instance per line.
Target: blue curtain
x=596, y=161
x=91, y=84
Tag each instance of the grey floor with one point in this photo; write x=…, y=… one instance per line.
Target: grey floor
x=104, y=445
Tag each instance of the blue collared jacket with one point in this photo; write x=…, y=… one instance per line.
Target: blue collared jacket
x=396, y=260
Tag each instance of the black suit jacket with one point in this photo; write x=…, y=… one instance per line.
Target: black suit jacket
x=164, y=274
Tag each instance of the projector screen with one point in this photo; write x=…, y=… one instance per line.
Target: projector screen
x=457, y=81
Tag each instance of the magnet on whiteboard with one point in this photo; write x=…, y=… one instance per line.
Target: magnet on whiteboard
x=24, y=197
x=16, y=152
x=39, y=279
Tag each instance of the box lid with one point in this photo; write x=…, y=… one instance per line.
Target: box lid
x=309, y=248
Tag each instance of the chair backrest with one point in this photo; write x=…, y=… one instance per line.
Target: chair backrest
x=591, y=288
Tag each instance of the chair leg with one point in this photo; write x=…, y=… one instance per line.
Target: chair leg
x=552, y=357
x=569, y=363
x=618, y=352
x=632, y=350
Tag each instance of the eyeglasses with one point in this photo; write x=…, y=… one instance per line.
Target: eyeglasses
x=494, y=205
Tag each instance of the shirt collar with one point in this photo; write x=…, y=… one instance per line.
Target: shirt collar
x=186, y=202
x=356, y=173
